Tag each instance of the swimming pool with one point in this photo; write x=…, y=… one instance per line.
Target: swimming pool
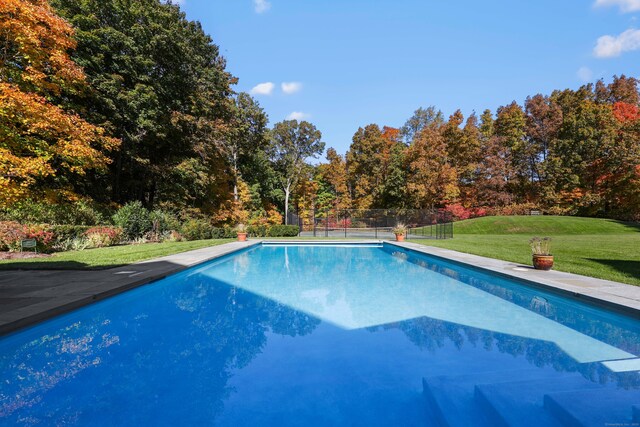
x=292, y=334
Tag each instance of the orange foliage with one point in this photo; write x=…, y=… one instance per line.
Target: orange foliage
x=36, y=42
x=39, y=139
x=624, y=112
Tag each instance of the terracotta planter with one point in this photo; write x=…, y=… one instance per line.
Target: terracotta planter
x=543, y=262
x=242, y=237
x=399, y=237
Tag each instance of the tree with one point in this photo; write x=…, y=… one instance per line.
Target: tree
x=43, y=146
x=510, y=127
x=335, y=174
x=431, y=180
x=160, y=85
x=421, y=119
x=365, y=166
x=291, y=144
x=544, y=118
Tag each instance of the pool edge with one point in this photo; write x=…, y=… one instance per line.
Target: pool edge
x=592, y=293
x=31, y=315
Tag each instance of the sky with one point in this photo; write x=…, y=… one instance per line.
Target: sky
x=343, y=64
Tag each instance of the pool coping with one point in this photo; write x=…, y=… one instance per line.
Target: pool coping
x=55, y=292
x=621, y=297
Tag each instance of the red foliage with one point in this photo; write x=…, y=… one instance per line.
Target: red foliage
x=43, y=235
x=459, y=212
x=625, y=113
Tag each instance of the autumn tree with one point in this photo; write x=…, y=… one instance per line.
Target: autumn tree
x=334, y=173
x=43, y=145
x=365, y=166
x=495, y=171
x=431, y=180
x=291, y=144
x=463, y=149
x=422, y=118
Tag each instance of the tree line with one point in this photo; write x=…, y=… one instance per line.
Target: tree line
x=104, y=102
x=573, y=152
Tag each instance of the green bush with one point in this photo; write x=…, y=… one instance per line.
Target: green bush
x=284, y=231
x=68, y=232
x=164, y=221
x=34, y=212
x=223, y=233
x=196, y=229
x=258, y=230
x=134, y=219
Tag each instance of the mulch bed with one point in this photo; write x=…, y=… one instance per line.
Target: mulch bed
x=21, y=255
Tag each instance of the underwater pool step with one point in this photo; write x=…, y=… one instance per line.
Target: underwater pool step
x=591, y=408
x=521, y=403
x=452, y=397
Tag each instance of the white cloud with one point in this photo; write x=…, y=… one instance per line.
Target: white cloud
x=610, y=46
x=585, y=74
x=261, y=6
x=263, y=89
x=298, y=115
x=291, y=87
x=624, y=5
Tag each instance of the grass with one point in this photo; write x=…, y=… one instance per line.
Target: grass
x=593, y=247
x=115, y=256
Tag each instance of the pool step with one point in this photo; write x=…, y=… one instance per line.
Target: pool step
x=590, y=408
x=452, y=397
x=521, y=403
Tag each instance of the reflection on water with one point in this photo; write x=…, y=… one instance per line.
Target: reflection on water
x=206, y=345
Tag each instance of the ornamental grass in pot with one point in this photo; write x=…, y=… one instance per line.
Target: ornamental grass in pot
x=400, y=230
x=541, y=250
x=241, y=230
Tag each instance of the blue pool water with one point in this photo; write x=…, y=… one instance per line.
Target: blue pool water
x=299, y=335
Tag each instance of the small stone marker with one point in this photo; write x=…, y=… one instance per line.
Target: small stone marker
x=28, y=244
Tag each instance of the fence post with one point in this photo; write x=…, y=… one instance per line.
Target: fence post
x=326, y=224
x=345, y=226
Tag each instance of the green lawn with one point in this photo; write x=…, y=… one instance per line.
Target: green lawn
x=592, y=247
x=107, y=257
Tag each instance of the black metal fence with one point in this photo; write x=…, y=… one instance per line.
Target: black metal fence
x=373, y=223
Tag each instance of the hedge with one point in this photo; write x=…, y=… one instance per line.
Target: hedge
x=283, y=231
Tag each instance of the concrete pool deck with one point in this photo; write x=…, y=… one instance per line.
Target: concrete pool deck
x=606, y=293
x=30, y=296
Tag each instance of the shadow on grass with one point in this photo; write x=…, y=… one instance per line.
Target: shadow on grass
x=631, y=226
x=627, y=267
x=54, y=265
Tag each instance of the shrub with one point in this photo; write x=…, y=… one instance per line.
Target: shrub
x=172, y=236
x=163, y=221
x=10, y=233
x=134, y=220
x=101, y=237
x=284, y=231
x=68, y=232
x=81, y=212
x=258, y=230
x=223, y=233
x=74, y=244
x=196, y=229
x=43, y=235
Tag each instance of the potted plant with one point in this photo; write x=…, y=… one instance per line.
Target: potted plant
x=541, y=249
x=241, y=230
x=400, y=230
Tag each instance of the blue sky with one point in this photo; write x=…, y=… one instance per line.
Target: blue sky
x=355, y=62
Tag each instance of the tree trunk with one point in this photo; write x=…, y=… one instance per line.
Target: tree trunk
x=235, y=176
x=287, y=190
